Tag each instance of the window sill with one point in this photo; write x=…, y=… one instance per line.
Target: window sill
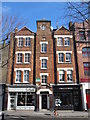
x=26, y=62
x=64, y=62
x=25, y=82
x=60, y=45
x=19, y=63
x=43, y=68
x=43, y=52
x=66, y=45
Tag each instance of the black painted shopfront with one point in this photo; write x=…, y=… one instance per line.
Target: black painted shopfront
x=67, y=97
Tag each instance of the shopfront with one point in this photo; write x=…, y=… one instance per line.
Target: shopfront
x=21, y=98
x=67, y=97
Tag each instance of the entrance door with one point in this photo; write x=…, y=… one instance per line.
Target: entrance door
x=44, y=101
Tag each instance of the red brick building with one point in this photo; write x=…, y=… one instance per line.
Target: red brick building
x=41, y=71
x=82, y=42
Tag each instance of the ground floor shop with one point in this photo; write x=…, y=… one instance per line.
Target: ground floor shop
x=21, y=98
x=85, y=87
x=67, y=97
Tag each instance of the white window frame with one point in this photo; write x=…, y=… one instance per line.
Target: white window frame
x=67, y=39
x=25, y=58
x=63, y=58
x=43, y=63
x=59, y=41
x=18, y=76
x=28, y=40
x=62, y=72
x=46, y=80
x=70, y=73
x=43, y=47
x=67, y=60
x=20, y=39
x=19, y=57
x=25, y=81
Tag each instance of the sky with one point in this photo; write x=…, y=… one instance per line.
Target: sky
x=33, y=11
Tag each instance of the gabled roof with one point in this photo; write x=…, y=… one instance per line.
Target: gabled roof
x=62, y=31
x=24, y=31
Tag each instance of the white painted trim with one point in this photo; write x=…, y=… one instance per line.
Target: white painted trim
x=63, y=52
x=31, y=36
x=79, y=51
x=43, y=42
x=58, y=69
x=43, y=58
x=63, y=36
x=23, y=52
x=19, y=89
x=43, y=74
x=22, y=69
x=44, y=90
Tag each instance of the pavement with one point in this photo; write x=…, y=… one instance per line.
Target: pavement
x=47, y=113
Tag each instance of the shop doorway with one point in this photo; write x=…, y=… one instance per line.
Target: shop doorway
x=44, y=101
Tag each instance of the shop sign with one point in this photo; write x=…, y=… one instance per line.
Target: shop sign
x=37, y=79
x=30, y=89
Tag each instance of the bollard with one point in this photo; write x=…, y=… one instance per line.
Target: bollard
x=2, y=116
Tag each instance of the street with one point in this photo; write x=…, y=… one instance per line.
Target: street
x=41, y=118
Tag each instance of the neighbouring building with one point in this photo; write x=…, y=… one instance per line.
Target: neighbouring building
x=20, y=83
x=4, y=48
x=66, y=91
x=81, y=33
x=42, y=70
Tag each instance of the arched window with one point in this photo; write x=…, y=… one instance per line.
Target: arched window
x=86, y=52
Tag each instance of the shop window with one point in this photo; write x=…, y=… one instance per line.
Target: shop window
x=86, y=69
x=62, y=75
x=69, y=75
x=59, y=41
x=44, y=47
x=19, y=58
x=26, y=75
x=68, y=57
x=66, y=41
x=60, y=57
x=81, y=35
x=27, y=41
x=25, y=99
x=27, y=57
x=18, y=76
x=44, y=64
x=44, y=79
x=86, y=52
x=20, y=42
